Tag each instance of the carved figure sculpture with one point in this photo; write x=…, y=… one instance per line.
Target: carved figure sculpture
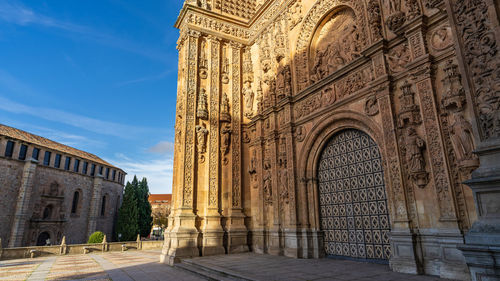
x=248, y=97
x=462, y=139
x=203, y=68
x=284, y=195
x=201, y=136
x=202, y=111
x=415, y=157
x=224, y=109
x=267, y=187
x=225, y=141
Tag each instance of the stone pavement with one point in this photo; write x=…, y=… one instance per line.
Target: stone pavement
x=251, y=266
x=117, y=266
x=144, y=266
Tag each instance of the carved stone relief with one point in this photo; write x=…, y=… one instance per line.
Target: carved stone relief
x=441, y=38
x=225, y=141
x=295, y=14
x=371, y=106
x=225, y=116
x=202, y=111
x=201, y=137
x=398, y=57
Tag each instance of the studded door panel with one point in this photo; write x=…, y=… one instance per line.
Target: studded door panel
x=353, y=202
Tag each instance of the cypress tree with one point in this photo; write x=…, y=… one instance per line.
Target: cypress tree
x=127, y=223
x=144, y=207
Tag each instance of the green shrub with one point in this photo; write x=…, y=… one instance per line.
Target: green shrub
x=96, y=237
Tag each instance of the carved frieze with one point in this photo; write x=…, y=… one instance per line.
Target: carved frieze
x=295, y=14
x=476, y=32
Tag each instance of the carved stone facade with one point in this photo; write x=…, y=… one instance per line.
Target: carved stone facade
x=276, y=85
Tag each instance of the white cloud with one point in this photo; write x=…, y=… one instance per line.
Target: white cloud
x=163, y=147
x=158, y=172
x=78, y=121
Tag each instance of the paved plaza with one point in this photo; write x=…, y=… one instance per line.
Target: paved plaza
x=144, y=266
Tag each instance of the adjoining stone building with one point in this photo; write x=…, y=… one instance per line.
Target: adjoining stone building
x=50, y=190
x=340, y=127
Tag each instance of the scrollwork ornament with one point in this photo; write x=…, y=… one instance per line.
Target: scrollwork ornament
x=371, y=106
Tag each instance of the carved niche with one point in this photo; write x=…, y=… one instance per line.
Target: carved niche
x=202, y=111
x=335, y=43
x=337, y=39
x=409, y=113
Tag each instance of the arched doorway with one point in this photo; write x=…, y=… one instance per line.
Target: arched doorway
x=353, y=203
x=42, y=238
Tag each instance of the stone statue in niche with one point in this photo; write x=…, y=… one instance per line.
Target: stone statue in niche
x=225, y=66
x=462, y=141
x=283, y=178
x=337, y=42
x=283, y=82
x=415, y=157
x=225, y=116
x=267, y=187
x=259, y=97
x=201, y=137
x=202, y=111
x=248, y=97
x=252, y=170
x=225, y=141
x=203, y=68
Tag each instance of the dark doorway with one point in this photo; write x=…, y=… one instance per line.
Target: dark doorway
x=42, y=239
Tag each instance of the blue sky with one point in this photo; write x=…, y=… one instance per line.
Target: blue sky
x=98, y=75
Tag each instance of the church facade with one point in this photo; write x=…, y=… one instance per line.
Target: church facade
x=344, y=128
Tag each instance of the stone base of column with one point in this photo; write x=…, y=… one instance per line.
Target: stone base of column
x=292, y=246
x=483, y=262
x=258, y=241
x=404, y=257
x=213, y=236
x=181, y=241
x=237, y=233
x=275, y=239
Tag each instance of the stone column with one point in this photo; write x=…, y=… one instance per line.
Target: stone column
x=94, y=206
x=476, y=30
x=236, y=229
x=23, y=211
x=212, y=230
x=183, y=236
x=403, y=258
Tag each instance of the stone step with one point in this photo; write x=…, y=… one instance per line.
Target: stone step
x=210, y=272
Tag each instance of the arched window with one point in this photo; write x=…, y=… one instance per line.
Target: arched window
x=76, y=198
x=103, y=205
x=47, y=212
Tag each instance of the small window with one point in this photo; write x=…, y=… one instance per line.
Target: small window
x=107, y=173
x=92, y=170
x=76, y=167
x=103, y=205
x=76, y=198
x=114, y=175
x=9, y=150
x=85, y=167
x=57, y=163
x=101, y=168
x=67, y=163
x=46, y=158
x=23, y=151
x=36, y=153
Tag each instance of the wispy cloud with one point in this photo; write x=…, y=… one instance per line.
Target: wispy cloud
x=157, y=171
x=75, y=120
x=18, y=14
x=163, y=147
x=144, y=79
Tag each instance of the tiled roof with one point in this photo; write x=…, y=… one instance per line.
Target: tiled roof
x=160, y=197
x=46, y=143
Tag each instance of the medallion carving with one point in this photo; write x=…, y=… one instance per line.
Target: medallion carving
x=371, y=106
x=398, y=57
x=441, y=38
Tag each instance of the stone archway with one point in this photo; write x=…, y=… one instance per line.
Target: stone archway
x=42, y=238
x=354, y=214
